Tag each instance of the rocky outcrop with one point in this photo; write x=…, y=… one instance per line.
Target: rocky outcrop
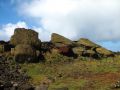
x=25, y=36
x=28, y=47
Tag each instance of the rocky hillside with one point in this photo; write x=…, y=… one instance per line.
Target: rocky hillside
x=25, y=47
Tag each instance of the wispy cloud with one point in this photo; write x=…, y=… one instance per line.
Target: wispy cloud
x=7, y=30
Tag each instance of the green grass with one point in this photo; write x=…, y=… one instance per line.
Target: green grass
x=76, y=75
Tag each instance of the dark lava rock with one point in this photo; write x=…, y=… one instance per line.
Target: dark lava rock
x=12, y=78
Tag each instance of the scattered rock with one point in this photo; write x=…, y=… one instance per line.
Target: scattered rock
x=11, y=78
x=116, y=85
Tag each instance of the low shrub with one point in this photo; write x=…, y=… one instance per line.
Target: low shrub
x=56, y=58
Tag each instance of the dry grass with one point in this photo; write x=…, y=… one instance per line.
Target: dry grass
x=77, y=75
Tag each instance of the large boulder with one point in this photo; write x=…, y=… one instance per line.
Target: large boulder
x=24, y=53
x=78, y=50
x=56, y=38
x=25, y=36
x=104, y=52
x=89, y=53
x=87, y=43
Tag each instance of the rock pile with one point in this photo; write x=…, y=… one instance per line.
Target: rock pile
x=28, y=47
x=83, y=47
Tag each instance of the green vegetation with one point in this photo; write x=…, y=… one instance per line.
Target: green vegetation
x=1, y=48
x=76, y=75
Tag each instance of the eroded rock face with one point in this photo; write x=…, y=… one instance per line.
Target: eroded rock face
x=25, y=36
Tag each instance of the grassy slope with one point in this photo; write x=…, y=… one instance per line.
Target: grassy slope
x=77, y=75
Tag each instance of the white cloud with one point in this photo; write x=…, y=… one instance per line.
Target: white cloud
x=8, y=29
x=95, y=19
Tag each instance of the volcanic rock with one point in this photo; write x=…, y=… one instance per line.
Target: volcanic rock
x=12, y=77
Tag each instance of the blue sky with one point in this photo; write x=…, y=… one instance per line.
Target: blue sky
x=7, y=12
x=97, y=20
